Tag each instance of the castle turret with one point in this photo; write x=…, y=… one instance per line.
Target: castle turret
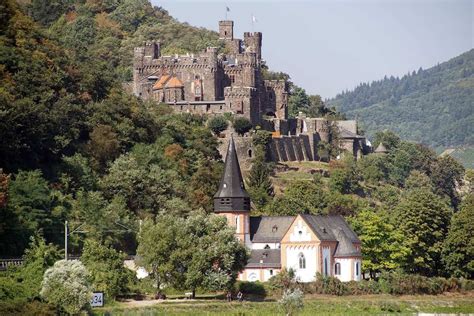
x=231, y=200
x=226, y=30
x=253, y=43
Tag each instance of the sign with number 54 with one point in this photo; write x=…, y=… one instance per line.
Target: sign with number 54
x=97, y=299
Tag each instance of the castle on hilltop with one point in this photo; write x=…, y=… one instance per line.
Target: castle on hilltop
x=212, y=83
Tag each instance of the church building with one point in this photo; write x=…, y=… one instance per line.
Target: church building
x=309, y=244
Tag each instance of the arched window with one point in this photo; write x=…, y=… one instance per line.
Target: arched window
x=266, y=247
x=357, y=269
x=337, y=268
x=237, y=223
x=325, y=266
x=250, y=153
x=302, y=261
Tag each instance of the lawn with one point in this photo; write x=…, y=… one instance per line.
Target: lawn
x=314, y=305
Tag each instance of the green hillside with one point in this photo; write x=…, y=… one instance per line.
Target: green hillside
x=433, y=106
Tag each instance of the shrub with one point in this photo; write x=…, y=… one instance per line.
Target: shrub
x=283, y=281
x=242, y=125
x=292, y=301
x=329, y=285
x=20, y=307
x=391, y=307
x=254, y=288
x=66, y=286
x=217, y=124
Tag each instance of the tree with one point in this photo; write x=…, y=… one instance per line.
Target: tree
x=446, y=174
x=106, y=269
x=199, y=251
x=103, y=145
x=66, y=286
x=299, y=197
x=388, y=138
x=217, y=124
x=298, y=101
x=24, y=283
x=381, y=242
x=423, y=218
x=259, y=184
x=242, y=125
x=458, y=248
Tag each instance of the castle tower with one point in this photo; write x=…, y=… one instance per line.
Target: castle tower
x=231, y=200
x=226, y=30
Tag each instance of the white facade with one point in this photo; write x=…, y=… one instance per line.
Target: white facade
x=345, y=269
x=304, y=261
x=300, y=233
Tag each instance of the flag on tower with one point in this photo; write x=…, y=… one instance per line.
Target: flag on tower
x=254, y=19
x=227, y=9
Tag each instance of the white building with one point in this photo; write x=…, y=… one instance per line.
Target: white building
x=308, y=244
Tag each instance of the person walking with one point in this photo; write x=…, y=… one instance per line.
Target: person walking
x=240, y=296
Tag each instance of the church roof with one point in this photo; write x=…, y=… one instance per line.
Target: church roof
x=345, y=246
x=269, y=229
x=264, y=258
x=232, y=183
x=326, y=227
x=381, y=149
x=174, y=83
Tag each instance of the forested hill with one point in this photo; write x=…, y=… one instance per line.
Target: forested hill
x=433, y=106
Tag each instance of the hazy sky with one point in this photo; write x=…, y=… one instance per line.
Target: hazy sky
x=329, y=46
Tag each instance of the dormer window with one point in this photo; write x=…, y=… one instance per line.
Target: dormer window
x=274, y=229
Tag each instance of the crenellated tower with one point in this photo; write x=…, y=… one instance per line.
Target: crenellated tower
x=231, y=199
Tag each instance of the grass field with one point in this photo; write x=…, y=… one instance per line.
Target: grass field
x=315, y=305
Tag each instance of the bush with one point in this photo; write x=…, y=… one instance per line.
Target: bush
x=253, y=288
x=292, y=301
x=242, y=125
x=217, y=124
x=20, y=307
x=328, y=285
x=66, y=286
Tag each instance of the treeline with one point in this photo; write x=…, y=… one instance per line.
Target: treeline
x=69, y=132
x=432, y=106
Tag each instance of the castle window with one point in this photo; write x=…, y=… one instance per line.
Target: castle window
x=302, y=261
x=249, y=152
x=220, y=107
x=232, y=78
x=270, y=96
x=337, y=268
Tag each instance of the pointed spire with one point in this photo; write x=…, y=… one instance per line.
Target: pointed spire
x=381, y=149
x=231, y=195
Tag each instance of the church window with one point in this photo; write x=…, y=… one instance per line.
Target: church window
x=337, y=268
x=266, y=247
x=357, y=269
x=325, y=266
x=237, y=224
x=300, y=232
x=232, y=78
x=271, y=272
x=302, y=261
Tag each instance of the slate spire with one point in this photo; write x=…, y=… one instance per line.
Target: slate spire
x=231, y=195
